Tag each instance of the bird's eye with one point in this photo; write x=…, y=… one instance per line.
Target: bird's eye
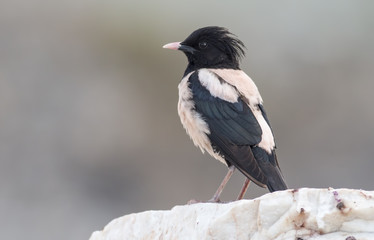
x=203, y=45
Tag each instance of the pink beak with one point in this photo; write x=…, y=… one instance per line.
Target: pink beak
x=173, y=46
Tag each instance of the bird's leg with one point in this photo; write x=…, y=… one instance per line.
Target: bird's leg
x=244, y=189
x=216, y=196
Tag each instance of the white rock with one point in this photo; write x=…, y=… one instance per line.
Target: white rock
x=313, y=214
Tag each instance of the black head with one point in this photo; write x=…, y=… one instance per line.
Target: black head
x=211, y=47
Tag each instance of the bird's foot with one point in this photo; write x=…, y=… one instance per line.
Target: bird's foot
x=193, y=201
x=212, y=200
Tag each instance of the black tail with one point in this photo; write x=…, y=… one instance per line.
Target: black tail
x=270, y=167
x=276, y=181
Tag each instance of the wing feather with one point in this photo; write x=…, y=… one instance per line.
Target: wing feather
x=233, y=129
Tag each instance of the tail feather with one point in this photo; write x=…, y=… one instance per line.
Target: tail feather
x=276, y=181
x=269, y=166
x=241, y=157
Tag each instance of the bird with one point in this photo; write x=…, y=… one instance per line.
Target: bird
x=222, y=111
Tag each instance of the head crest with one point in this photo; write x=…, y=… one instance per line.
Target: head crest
x=230, y=43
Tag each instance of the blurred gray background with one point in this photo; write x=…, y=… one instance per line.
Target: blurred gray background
x=89, y=129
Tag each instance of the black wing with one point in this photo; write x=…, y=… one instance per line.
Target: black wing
x=233, y=129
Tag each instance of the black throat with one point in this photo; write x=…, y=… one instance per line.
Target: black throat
x=193, y=67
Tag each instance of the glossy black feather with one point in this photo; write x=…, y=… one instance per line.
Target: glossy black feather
x=269, y=166
x=240, y=156
x=235, y=134
x=223, y=49
x=234, y=129
x=235, y=121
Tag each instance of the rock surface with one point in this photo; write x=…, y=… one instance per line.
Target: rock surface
x=316, y=214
